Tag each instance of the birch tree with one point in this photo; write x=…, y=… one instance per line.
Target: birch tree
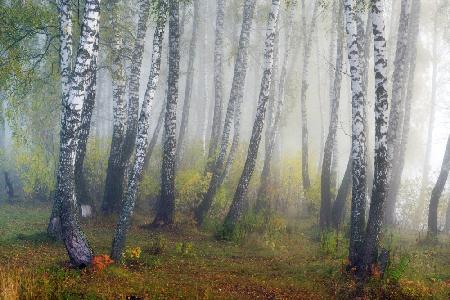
x=115, y=169
x=335, y=93
x=189, y=83
x=380, y=185
x=166, y=205
x=142, y=140
x=236, y=209
x=395, y=115
x=358, y=137
x=236, y=94
x=218, y=83
x=400, y=150
x=76, y=244
x=124, y=134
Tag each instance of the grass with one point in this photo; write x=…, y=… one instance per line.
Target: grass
x=190, y=264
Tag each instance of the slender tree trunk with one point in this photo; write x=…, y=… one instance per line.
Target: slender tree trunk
x=189, y=84
x=279, y=98
x=236, y=94
x=426, y=166
x=237, y=205
x=325, y=207
x=142, y=137
x=124, y=135
x=165, y=214
x=80, y=253
x=262, y=197
x=380, y=185
x=400, y=152
x=437, y=192
x=395, y=116
x=218, y=84
x=337, y=213
x=305, y=74
x=116, y=168
x=359, y=188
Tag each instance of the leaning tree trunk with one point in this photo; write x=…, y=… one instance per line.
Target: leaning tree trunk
x=358, y=138
x=166, y=205
x=261, y=196
x=80, y=253
x=400, y=152
x=437, y=192
x=325, y=207
x=278, y=111
x=142, y=138
x=116, y=167
x=395, y=116
x=189, y=84
x=426, y=166
x=237, y=205
x=124, y=135
x=236, y=94
x=305, y=74
x=65, y=61
x=380, y=185
x=218, y=85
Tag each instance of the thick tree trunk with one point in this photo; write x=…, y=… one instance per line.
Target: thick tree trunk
x=124, y=135
x=116, y=168
x=337, y=213
x=218, y=85
x=237, y=205
x=189, y=84
x=437, y=192
x=382, y=165
x=396, y=112
x=400, y=152
x=359, y=163
x=305, y=74
x=236, y=94
x=166, y=206
x=326, y=196
x=142, y=140
x=80, y=253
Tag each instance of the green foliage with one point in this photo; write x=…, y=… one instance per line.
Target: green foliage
x=95, y=165
x=190, y=186
x=158, y=245
x=266, y=225
x=184, y=248
x=396, y=271
x=36, y=171
x=28, y=35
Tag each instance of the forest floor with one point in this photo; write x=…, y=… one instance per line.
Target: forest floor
x=186, y=263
